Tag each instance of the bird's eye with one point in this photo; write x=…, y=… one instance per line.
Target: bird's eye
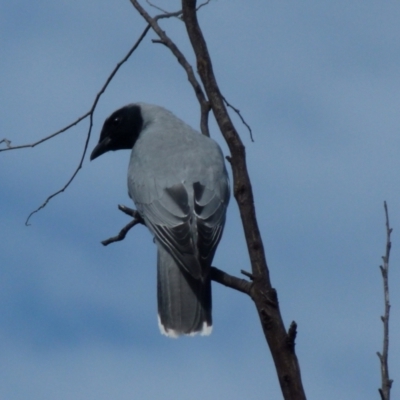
x=116, y=121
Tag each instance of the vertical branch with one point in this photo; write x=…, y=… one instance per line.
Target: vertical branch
x=281, y=343
x=384, y=391
x=204, y=106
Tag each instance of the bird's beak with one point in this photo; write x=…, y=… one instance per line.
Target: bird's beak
x=101, y=148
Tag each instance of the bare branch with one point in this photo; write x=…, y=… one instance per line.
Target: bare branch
x=167, y=14
x=384, y=391
x=121, y=235
x=262, y=293
x=237, y=111
x=230, y=281
x=23, y=146
x=158, y=41
x=204, y=105
x=215, y=274
x=70, y=179
x=202, y=5
x=248, y=274
x=118, y=66
x=292, y=333
x=137, y=219
x=131, y=212
x=157, y=7
x=90, y=115
x=7, y=142
x=92, y=109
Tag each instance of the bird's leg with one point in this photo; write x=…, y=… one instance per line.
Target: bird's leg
x=137, y=219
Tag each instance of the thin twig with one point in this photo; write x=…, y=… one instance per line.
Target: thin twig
x=202, y=5
x=158, y=41
x=137, y=219
x=131, y=212
x=384, y=391
x=230, y=281
x=157, y=7
x=23, y=146
x=121, y=235
x=7, y=142
x=167, y=14
x=248, y=274
x=70, y=179
x=204, y=105
x=90, y=114
x=291, y=336
x=237, y=111
x=215, y=274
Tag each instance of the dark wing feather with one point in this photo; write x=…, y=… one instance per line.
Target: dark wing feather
x=188, y=222
x=210, y=211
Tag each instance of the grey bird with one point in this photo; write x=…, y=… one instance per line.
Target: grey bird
x=179, y=184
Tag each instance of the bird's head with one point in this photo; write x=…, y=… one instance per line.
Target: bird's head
x=120, y=130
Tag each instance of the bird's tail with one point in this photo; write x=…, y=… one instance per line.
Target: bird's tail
x=184, y=303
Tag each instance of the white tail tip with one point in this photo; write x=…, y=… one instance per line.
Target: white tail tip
x=205, y=330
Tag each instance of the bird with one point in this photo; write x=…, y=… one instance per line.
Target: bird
x=180, y=186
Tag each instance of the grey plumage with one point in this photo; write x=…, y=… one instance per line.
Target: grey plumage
x=178, y=181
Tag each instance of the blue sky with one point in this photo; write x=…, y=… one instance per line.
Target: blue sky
x=319, y=84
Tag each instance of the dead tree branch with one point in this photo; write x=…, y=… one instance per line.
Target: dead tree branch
x=121, y=235
x=7, y=143
x=384, y=391
x=131, y=212
x=89, y=114
x=230, y=281
x=237, y=111
x=281, y=343
x=202, y=5
x=93, y=107
x=158, y=8
x=215, y=274
x=262, y=293
x=24, y=146
x=178, y=13
x=137, y=219
x=204, y=105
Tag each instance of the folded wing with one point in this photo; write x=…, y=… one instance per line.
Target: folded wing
x=188, y=221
